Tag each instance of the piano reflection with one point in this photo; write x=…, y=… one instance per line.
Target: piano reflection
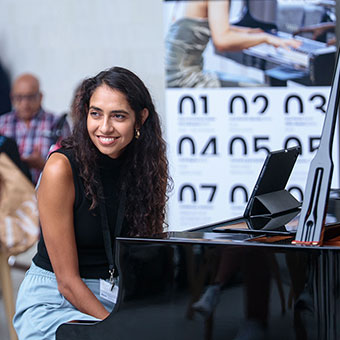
x=239, y=279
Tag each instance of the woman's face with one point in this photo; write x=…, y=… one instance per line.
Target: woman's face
x=110, y=121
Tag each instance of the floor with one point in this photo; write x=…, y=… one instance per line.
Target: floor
x=23, y=260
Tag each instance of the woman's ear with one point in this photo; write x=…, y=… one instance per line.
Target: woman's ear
x=144, y=115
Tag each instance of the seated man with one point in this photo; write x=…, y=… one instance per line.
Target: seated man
x=29, y=125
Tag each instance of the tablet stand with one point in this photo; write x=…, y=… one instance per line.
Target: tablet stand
x=273, y=203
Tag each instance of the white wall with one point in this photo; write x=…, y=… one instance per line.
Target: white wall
x=66, y=40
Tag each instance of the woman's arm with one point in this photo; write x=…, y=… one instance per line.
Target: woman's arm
x=243, y=29
x=317, y=29
x=55, y=202
x=226, y=38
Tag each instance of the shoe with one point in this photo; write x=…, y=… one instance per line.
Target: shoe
x=208, y=301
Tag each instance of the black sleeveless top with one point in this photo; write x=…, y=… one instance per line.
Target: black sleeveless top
x=92, y=258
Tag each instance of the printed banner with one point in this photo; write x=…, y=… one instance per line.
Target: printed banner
x=219, y=138
x=243, y=78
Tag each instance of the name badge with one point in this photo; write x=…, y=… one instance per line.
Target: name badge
x=107, y=292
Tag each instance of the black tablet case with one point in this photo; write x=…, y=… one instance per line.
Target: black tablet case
x=269, y=196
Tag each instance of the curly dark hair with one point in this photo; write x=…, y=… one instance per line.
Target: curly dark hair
x=145, y=167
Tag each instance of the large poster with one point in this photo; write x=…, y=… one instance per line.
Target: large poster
x=228, y=105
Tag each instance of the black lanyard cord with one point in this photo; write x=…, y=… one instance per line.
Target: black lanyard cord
x=106, y=228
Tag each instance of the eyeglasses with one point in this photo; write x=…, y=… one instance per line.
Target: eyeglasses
x=28, y=97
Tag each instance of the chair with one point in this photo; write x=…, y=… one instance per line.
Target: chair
x=7, y=292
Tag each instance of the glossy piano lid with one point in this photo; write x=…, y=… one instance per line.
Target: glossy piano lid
x=212, y=236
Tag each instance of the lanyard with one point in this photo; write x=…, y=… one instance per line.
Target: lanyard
x=106, y=230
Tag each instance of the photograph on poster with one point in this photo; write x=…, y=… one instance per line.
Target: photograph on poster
x=228, y=108
x=223, y=43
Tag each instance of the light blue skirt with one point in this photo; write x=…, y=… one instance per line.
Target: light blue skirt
x=41, y=309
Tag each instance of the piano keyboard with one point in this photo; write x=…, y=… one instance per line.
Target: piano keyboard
x=298, y=58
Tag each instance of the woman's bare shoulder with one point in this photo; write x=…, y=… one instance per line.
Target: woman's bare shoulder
x=57, y=168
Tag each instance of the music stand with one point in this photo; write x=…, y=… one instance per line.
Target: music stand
x=313, y=211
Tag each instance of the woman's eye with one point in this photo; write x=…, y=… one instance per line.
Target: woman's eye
x=119, y=116
x=94, y=113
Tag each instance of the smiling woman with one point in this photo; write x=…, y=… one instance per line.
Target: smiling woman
x=110, y=175
x=111, y=121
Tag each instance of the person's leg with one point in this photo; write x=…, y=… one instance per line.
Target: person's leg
x=40, y=308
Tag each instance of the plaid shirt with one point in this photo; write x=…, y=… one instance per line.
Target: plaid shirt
x=39, y=134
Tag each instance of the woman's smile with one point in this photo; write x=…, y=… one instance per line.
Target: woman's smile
x=107, y=140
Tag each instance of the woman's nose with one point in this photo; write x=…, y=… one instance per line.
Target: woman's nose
x=106, y=126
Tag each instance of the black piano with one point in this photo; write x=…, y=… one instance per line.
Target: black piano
x=210, y=284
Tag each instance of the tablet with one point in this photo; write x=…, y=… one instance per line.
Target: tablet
x=274, y=174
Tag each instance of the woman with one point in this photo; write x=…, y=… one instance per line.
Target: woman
x=114, y=158
x=188, y=38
